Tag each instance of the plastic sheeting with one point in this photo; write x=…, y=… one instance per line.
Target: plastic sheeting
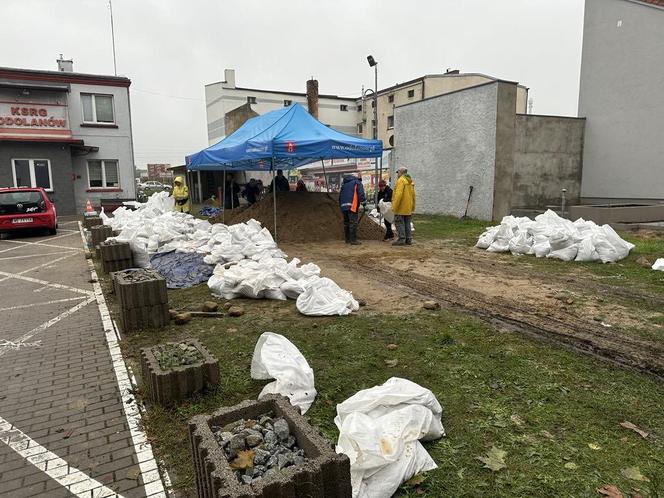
x=275, y=357
x=380, y=430
x=551, y=236
x=323, y=297
x=181, y=270
x=658, y=265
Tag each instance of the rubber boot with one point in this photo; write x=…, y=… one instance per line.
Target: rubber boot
x=347, y=233
x=353, y=236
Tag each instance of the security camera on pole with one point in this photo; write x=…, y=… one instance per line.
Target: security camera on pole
x=373, y=63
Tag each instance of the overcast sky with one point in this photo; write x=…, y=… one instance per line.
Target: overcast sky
x=171, y=48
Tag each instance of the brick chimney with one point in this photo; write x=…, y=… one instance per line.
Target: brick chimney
x=66, y=66
x=312, y=97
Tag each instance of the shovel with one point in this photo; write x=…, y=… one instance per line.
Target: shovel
x=465, y=213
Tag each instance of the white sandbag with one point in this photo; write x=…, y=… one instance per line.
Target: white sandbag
x=565, y=254
x=380, y=429
x=521, y=244
x=486, y=239
x=385, y=209
x=658, y=265
x=324, y=297
x=275, y=357
x=587, y=251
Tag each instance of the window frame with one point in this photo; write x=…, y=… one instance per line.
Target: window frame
x=104, y=186
x=287, y=102
x=359, y=107
x=390, y=98
x=411, y=93
x=251, y=99
x=390, y=118
x=94, y=109
x=343, y=107
x=31, y=167
x=360, y=128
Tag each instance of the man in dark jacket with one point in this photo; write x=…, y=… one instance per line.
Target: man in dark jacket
x=281, y=182
x=385, y=194
x=350, y=198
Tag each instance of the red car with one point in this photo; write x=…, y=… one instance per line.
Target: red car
x=26, y=208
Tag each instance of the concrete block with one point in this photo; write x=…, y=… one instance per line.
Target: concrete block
x=91, y=221
x=326, y=474
x=112, y=251
x=100, y=233
x=137, y=294
x=168, y=386
x=144, y=317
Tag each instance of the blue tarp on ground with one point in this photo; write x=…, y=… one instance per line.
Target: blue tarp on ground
x=181, y=269
x=290, y=136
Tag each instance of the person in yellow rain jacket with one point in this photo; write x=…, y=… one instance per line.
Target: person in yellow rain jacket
x=181, y=195
x=403, y=205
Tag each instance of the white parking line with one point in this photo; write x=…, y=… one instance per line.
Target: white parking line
x=38, y=255
x=22, y=306
x=49, y=263
x=45, y=283
x=50, y=323
x=147, y=463
x=52, y=465
x=22, y=243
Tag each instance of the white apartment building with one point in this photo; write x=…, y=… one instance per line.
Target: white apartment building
x=67, y=132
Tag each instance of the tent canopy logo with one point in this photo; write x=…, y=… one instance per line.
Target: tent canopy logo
x=290, y=147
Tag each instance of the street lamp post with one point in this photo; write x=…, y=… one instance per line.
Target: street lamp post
x=373, y=63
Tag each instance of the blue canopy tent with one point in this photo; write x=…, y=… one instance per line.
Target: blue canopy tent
x=283, y=139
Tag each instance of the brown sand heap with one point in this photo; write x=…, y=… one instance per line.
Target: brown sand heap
x=303, y=217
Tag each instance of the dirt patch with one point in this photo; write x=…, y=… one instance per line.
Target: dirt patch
x=303, y=217
x=569, y=310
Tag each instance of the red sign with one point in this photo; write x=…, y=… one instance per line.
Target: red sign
x=32, y=117
x=33, y=121
x=290, y=147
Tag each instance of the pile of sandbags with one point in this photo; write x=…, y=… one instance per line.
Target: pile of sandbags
x=551, y=236
x=247, y=261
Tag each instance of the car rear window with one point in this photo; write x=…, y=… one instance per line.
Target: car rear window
x=19, y=197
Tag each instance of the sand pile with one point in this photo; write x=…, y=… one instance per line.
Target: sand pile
x=303, y=217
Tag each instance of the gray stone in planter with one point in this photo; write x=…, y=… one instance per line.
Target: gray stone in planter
x=171, y=385
x=325, y=474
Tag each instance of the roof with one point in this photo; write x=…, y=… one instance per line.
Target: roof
x=33, y=75
x=380, y=92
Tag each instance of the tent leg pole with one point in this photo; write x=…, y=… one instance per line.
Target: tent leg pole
x=223, y=202
x=327, y=185
x=274, y=201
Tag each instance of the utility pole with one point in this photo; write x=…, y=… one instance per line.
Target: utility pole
x=115, y=67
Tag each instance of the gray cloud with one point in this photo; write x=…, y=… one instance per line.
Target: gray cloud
x=171, y=48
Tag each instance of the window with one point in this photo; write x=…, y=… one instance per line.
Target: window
x=286, y=102
x=411, y=94
x=103, y=174
x=373, y=103
x=32, y=173
x=373, y=123
x=97, y=108
x=251, y=100
x=359, y=128
x=390, y=98
x=343, y=107
x=390, y=121
x=359, y=108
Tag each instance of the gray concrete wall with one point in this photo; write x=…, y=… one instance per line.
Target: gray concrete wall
x=622, y=77
x=548, y=156
x=61, y=169
x=449, y=143
x=504, y=161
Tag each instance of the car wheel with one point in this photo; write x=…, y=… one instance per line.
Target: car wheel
x=53, y=231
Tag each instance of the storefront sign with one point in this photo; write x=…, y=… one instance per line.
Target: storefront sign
x=33, y=120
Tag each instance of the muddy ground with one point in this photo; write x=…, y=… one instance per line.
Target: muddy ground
x=577, y=310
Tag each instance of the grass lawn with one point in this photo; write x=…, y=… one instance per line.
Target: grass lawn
x=556, y=414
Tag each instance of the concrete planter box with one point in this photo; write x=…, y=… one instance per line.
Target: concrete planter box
x=100, y=233
x=115, y=256
x=91, y=221
x=326, y=474
x=171, y=385
x=143, y=303
x=618, y=213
